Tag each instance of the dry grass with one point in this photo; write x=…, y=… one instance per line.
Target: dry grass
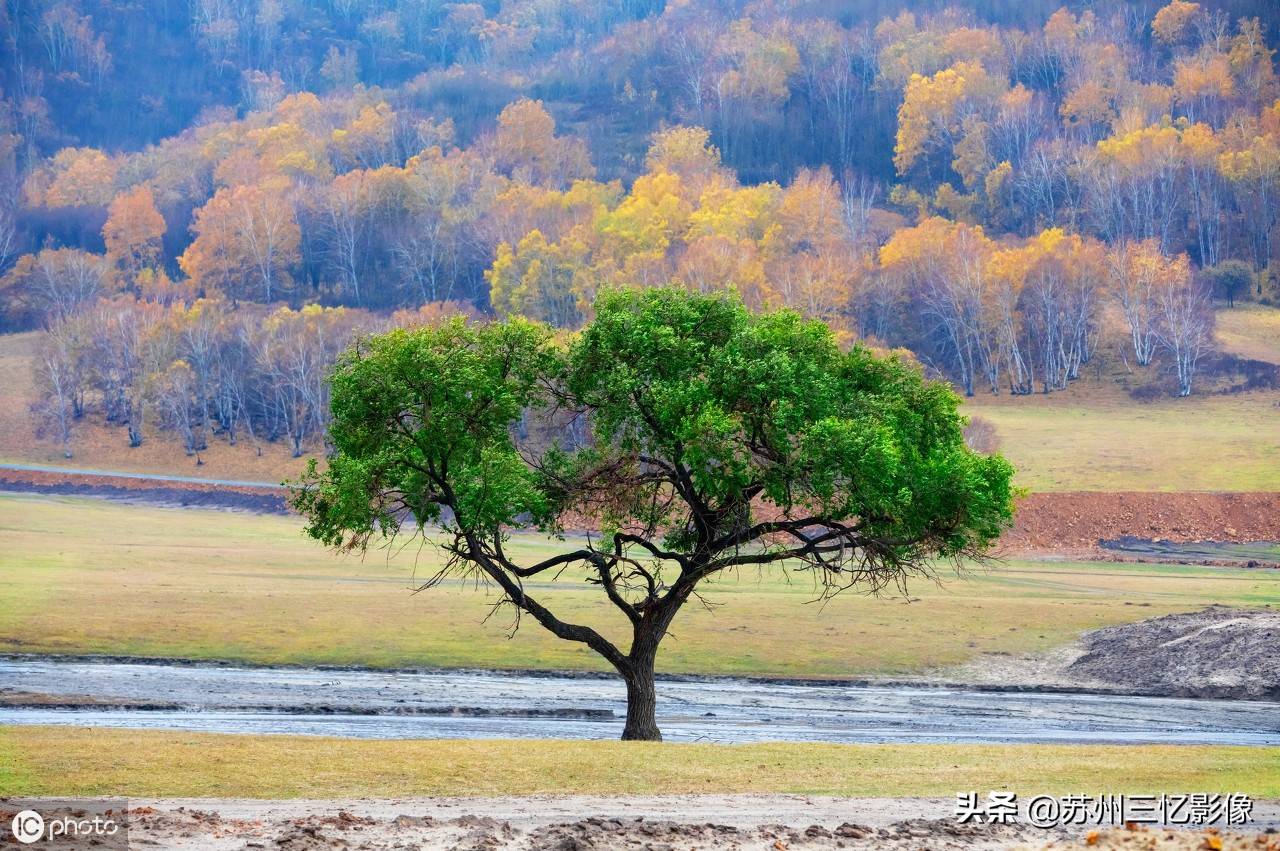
x=79, y=575
x=1095, y=438
x=142, y=764
x=1250, y=331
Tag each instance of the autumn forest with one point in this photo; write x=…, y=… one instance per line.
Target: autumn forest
x=203, y=202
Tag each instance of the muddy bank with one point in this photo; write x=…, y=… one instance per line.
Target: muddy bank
x=1067, y=521
x=143, y=490
x=1252, y=554
x=587, y=823
x=1218, y=651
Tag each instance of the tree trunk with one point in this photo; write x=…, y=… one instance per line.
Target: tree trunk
x=642, y=702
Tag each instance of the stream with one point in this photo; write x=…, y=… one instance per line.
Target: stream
x=487, y=704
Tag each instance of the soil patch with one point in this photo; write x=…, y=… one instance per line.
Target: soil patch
x=150, y=491
x=1080, y=520
x=1216, y=652
x=711, y=822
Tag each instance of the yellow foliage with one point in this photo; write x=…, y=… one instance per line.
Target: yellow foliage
x=81, y=177
x=133, y=230
x=737, y=213
x=525, y=145
x=688, y=153
x=760, y=66
x=1202, y=77
x=930, y=108
x=996, y=179
x=646, y=221
x=1170, y=23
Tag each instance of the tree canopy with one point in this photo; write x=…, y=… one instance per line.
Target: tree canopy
x=709, y=438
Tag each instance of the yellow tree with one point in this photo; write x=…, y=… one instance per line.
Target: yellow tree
x=369, y=141
x=1059, y=304
x=1172, y=23
x=809, y=256
x=1201, y=150
x=719, y=263
x=546, y=281
x=636, y=235
x=247, y=239
x=1202, y=85
x=1138, y=272
x=133, y=231
x=1135, y=184
x=945, y=267
x=525, y=146
x=1251, y=165
x=80, y=177
x=687, y=152
x=933, y=109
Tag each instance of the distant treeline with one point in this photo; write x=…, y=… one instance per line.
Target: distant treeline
x=982, y=184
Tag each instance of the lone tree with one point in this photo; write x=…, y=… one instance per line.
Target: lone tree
x=715, y=439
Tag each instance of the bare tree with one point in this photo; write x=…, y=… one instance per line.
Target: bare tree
x=1185, y=326
x=60, y=380
x=1135, y=278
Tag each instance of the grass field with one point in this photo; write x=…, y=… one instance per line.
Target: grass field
x=1104, y=441
x=141, y=764
x=86, y=576
x=1250, y=331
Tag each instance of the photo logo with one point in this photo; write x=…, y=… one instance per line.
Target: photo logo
x=28, y=826
x=101, y=824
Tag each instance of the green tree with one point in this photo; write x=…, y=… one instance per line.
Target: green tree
x=1229, y=279
x=719, y=439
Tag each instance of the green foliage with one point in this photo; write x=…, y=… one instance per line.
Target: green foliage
x=421, y=420
x=769, y=404
x=702, y=415
x=1230, y=280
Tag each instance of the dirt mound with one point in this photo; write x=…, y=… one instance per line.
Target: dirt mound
x=1079, y=520
x=1216, y=652
x=152, y=491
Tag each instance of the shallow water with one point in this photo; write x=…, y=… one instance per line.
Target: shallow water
x=477, y=704
x=1259, y=553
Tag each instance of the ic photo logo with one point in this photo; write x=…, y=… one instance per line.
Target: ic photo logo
x=55, y=823
x=28, y=826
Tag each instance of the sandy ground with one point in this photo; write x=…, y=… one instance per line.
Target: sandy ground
x=574, y=823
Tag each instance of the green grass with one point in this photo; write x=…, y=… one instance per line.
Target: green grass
x=143, y=764
x=1098, y=439
x=90, y=576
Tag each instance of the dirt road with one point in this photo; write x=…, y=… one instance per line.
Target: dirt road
x=578, y=823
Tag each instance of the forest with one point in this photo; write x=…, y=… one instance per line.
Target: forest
x=203, y=203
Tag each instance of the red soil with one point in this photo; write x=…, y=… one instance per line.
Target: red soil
x=1070, y=521
x=1074, y=520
